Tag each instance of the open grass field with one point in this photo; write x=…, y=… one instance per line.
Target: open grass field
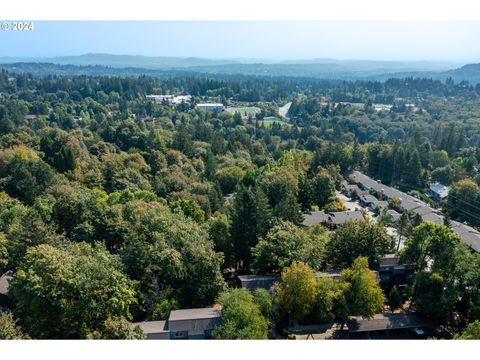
x=244, y=110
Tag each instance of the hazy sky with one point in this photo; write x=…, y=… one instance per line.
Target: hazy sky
x=399, y=40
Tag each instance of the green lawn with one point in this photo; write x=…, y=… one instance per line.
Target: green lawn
x=243, y=110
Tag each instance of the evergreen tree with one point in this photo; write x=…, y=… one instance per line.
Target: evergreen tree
x=251, y=218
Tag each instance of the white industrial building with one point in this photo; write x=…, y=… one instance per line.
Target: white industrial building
x=211, y=107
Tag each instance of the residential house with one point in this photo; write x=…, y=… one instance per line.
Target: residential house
x=379, y=204
x=154, y=330
x=339, y=218
x=254, y=282
x=367, y=200
x=468, y=235
x=352, y=190
x=392, y=272
x=433, y=217
x=194, y=323
x=394, y=215
x=384, y=324
x=438, y=191
x=315, y=217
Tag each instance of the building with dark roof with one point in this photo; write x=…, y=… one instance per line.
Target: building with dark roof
x=392, y=272
x=254, y=282
x=386, y=322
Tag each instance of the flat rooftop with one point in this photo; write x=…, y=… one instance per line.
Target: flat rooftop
x=386, y=321
x=259, y=277
x=152, y=327
x=198, y=313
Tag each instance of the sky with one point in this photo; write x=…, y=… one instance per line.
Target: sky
x=368, y=40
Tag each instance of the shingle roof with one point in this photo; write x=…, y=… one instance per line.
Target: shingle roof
x=253, y=282
x=423, y=210
x=468, y=235
x=316, y=217
x=339, y=218
x=394, y=214
x=409, y=203
x=368, y=198
x=437, y=219
x=386, y=321
x=381, y=204
x=388, y=260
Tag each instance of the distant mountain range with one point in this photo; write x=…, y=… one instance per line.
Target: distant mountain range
x=123, y=61
x=106, y=64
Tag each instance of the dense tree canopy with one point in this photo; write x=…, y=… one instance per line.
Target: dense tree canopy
x=358, y=238
x=242, y=317
x=69, y=292
x=115, y=208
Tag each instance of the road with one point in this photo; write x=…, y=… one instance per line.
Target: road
x=283, y=111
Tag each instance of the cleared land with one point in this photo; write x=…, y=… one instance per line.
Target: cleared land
x=283, y=111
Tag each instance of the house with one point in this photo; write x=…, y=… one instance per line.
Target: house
x=5, y=301
x=435, y=218
x=423, y=210
x=352, y=190
x=194, y=323
x=409, y=203
x=468, y=235
x=381, y=325
x=315, y=217
x=333, y=274
x=392, y=272
x=154, y=330
x=394, y=215
x=339, y=218
x=367, y=200
x=211, y=107
x=379, y=204
x=254, y=282
x=438, y=191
